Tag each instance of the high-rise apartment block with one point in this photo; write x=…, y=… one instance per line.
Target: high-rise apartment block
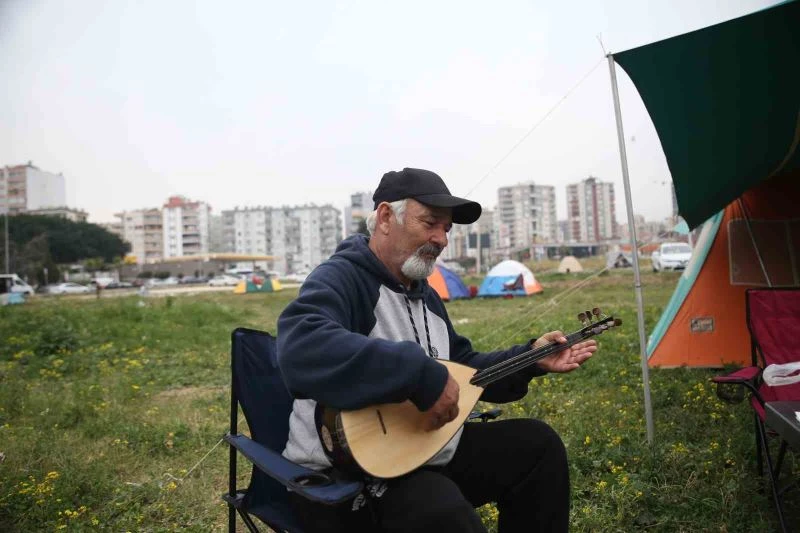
x=185, y=227
x=300, y=238
x=360, y=206
x=25, y=187
x=591, y=211
x=526, y=215
x=143, y=229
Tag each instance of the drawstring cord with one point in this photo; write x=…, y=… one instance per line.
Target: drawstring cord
x=414, y=326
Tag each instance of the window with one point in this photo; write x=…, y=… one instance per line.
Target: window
x=775, y=242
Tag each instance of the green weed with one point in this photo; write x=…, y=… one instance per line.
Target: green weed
x=105, y=405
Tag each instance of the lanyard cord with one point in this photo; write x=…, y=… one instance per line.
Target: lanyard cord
x=414, y=326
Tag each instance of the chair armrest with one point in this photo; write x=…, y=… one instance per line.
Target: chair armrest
x=749, y=377
x=310, y=484
x=741, y=376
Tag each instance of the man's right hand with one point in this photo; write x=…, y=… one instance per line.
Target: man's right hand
x=446, y=407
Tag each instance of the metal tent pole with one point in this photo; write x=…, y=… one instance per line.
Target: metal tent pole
x=648, y=409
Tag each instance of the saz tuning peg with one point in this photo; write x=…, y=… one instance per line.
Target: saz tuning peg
x=582, y=318
x=596, y=312
x=617, y=322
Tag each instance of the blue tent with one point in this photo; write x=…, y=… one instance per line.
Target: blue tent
x=509, y=278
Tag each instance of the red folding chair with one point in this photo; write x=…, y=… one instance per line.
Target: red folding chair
x=773, y=318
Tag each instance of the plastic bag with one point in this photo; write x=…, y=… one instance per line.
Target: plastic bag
x=785, y=374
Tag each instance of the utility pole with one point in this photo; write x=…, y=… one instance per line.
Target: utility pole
x=8, y=271
x=5, y=179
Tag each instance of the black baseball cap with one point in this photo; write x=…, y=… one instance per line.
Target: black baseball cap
x=427, y=188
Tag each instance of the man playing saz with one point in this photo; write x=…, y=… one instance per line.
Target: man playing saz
x=367, y=329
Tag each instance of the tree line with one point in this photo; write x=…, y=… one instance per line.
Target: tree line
x=50, y=242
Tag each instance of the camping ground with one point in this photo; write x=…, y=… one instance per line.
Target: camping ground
x=107, y=406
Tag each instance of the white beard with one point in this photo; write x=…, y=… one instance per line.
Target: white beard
x=417, y=267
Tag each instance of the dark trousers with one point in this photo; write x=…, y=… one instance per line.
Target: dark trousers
x=520, y=464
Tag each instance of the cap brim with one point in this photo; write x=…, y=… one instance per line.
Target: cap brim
x=464, y=211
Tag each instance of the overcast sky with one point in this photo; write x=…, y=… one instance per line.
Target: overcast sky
x=285, y=103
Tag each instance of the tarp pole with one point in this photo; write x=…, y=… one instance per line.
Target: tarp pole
x=637, y=281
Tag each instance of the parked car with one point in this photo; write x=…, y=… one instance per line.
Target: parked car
x=191, y=280
x=223, y=280
x=157, y=282
x=671, y=256
x=15, y=284
x=69, y=288
x=119, y=285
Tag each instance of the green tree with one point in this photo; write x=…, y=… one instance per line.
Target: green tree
x=66, y=241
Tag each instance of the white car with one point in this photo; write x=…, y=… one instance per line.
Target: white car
x=671, y=256
x=223, y=280
x=69, y=288
x=13, y=283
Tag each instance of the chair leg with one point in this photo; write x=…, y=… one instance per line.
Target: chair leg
x=779, y=462
x=762, y=436
x=756, y=433
x=248, y=522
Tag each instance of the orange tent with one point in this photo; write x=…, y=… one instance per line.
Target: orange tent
x=753, y=242
x=447, y=284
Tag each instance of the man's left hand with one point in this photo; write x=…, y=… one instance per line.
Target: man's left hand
x=567, y=359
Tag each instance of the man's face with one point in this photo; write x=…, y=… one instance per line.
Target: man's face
x=421, y=238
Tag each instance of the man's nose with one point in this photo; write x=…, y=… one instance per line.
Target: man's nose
x=439, y=238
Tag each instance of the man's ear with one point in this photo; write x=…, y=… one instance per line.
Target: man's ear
x=384, y=218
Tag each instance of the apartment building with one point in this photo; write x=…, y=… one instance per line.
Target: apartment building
x=25, y=187
x=143, y=230
x=526, y=214
x=300, y=238
x=185, y=226
x=216, y=243
x=471, y=240
x=591, y=211
x=360, y=206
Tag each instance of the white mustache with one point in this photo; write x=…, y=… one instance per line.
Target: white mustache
x=429, y=249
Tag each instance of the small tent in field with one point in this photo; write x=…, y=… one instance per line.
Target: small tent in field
x=509, y=278
x=257, y=284
x=447, y=283
x=619, y=259
x=753, y=242
x=569, y=265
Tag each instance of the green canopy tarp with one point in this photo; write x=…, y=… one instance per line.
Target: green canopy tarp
x=725, y=102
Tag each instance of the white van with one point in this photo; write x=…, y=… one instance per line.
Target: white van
x=13, y=283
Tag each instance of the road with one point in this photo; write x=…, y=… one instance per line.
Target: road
x=169, y=290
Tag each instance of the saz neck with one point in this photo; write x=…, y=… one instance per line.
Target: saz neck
x=489, y=375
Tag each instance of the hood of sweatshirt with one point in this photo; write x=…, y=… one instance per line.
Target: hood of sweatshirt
x=355, y=249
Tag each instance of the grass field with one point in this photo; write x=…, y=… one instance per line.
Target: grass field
x=106, y=405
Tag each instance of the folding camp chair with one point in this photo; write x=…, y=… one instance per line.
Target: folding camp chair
x=773, y=319
x=266, y=404
x=258, y=387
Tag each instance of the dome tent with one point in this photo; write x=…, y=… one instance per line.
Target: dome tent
x=257, y=284
x=447, y=283
x=569, y=265
x=509, y=278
